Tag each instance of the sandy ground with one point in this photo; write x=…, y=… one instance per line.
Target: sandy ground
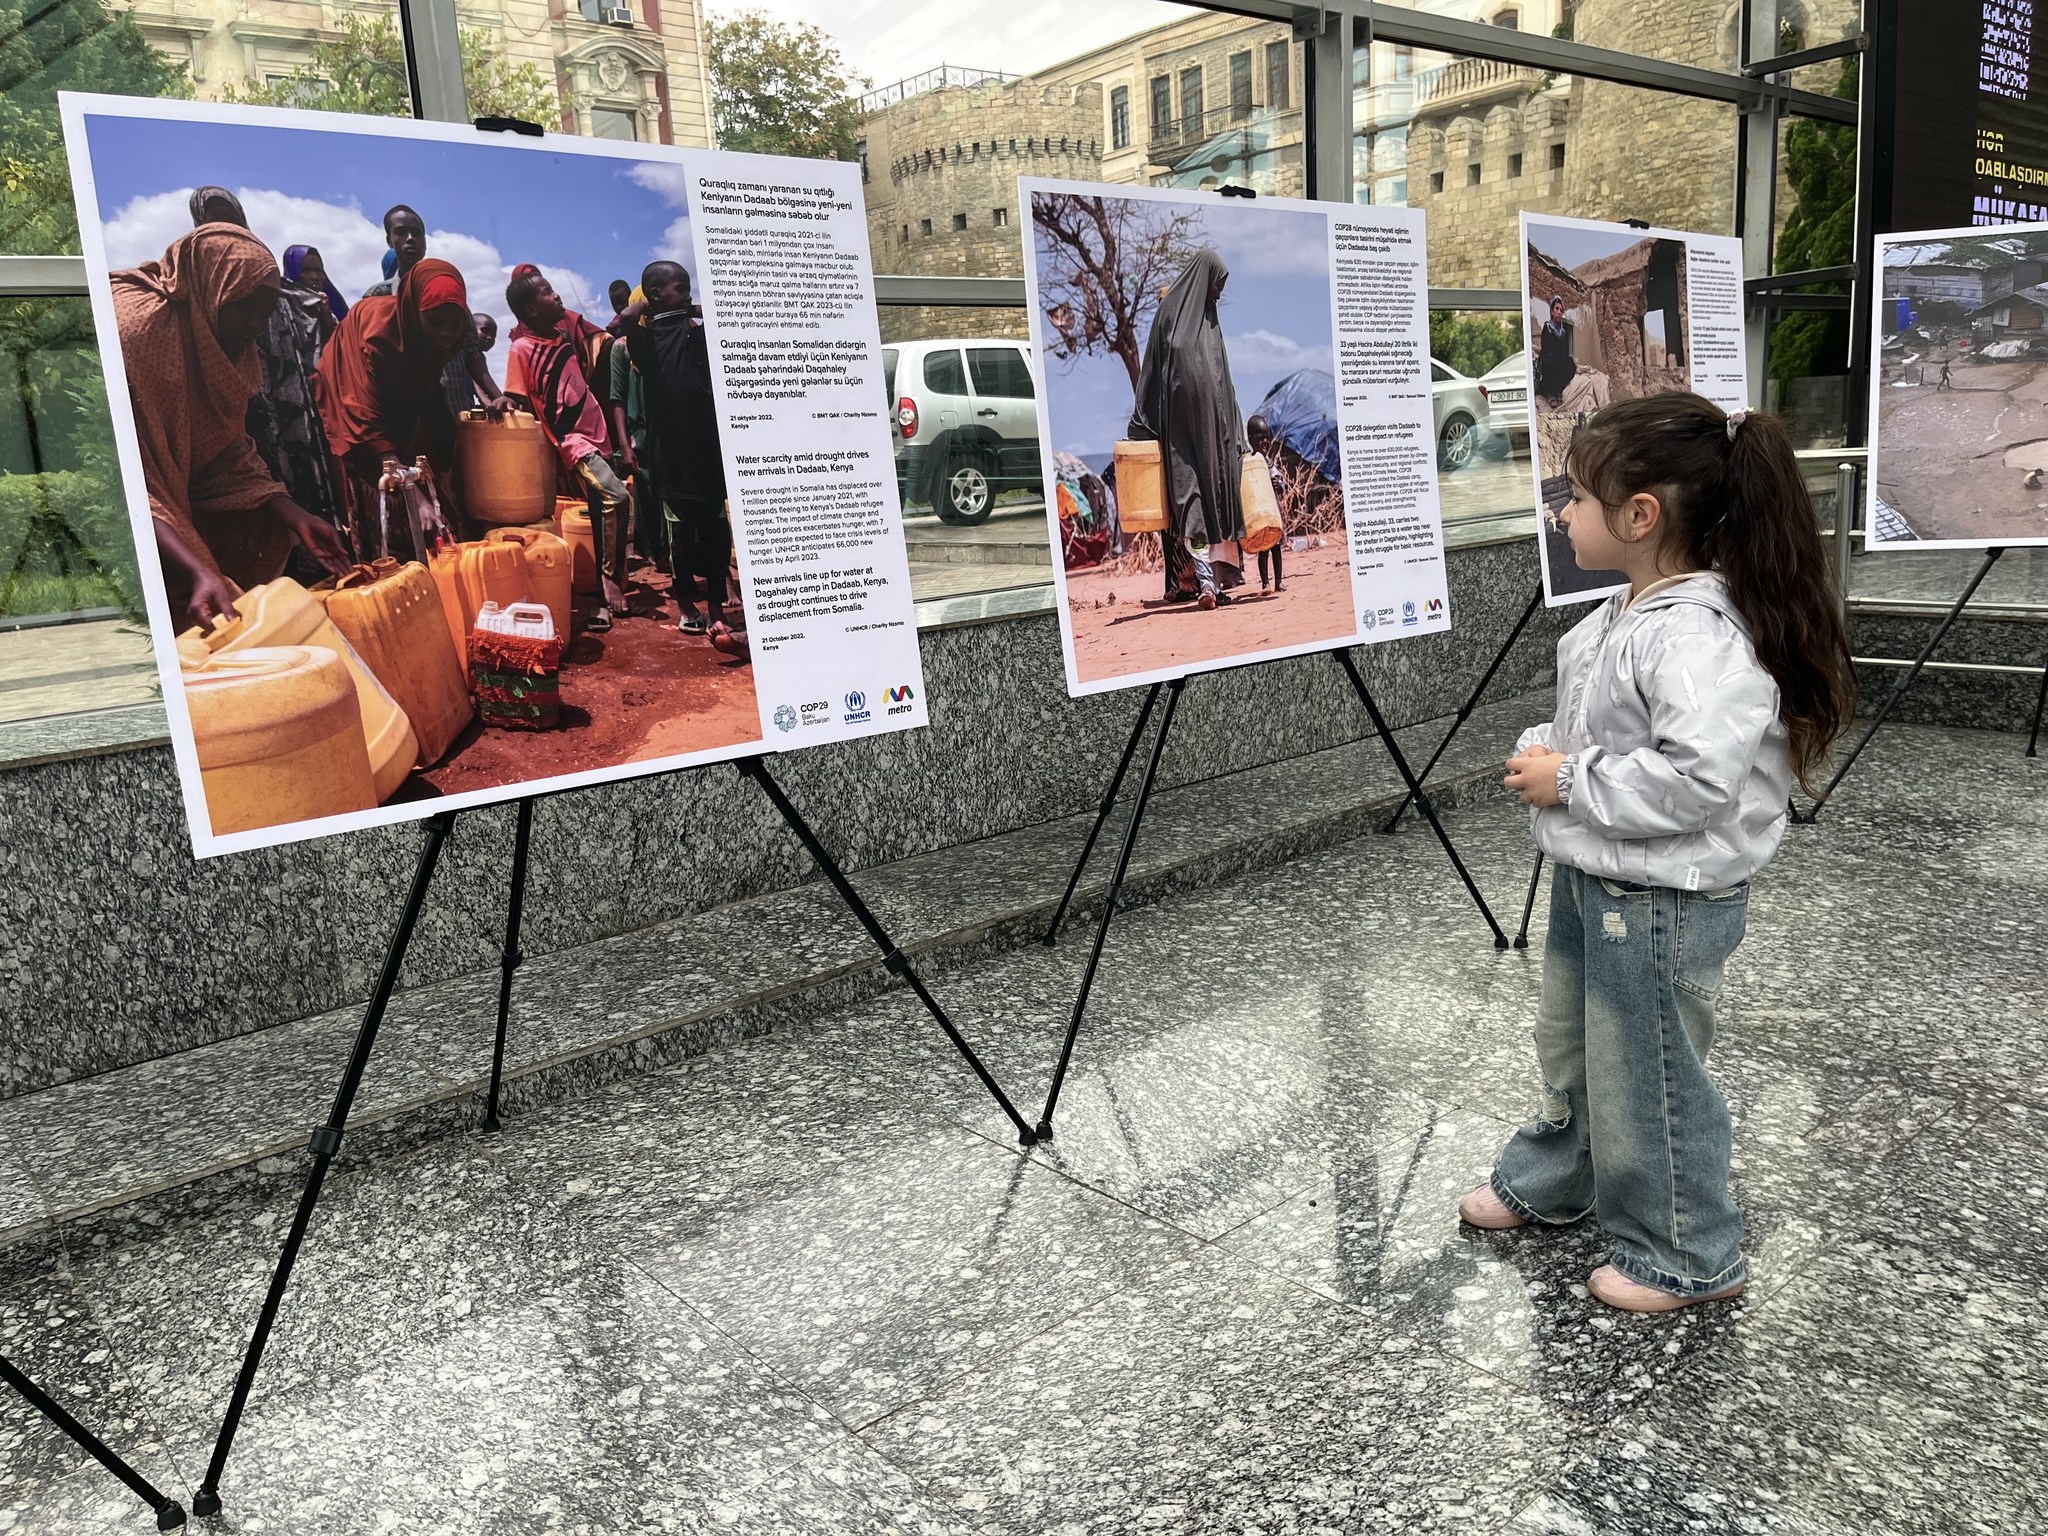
x=642, y=691
x=1122, y=626
x=1943, y=453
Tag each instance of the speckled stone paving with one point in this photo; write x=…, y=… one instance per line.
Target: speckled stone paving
x=808, y=1284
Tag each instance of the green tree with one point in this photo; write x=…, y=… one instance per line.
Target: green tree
x=1820, y=163
x=363, y=70
x=1472, y=344
x=780, y=89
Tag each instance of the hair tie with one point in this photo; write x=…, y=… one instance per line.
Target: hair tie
x=1735, y=419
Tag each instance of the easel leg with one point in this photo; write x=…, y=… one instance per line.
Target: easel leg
x=1897, y=693
x=1500, y=939
x=509, y=961
x=2034, y=736
x=1116, y=782
x=169, y=1513
x=1465, y=712
x=897, y=963
x=325, y=1143
x=1529, y=903
x=1109, y=900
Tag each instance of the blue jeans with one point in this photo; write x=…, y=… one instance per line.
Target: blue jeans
x=1632, y=1126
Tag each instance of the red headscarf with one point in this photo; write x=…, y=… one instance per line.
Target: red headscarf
x=380, y=377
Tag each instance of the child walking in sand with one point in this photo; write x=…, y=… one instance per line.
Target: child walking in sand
x=1686, y=707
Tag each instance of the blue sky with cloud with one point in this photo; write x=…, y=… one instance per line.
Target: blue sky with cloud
x=583, y=219
x=1275, y=316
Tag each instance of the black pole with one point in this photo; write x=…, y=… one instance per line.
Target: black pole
x=1920, y=661
x=1116, y=782
x=326, y=1141
x=1500, y=939
x=170, y=1514
x=893, y=959
x=1465, y=713
x=1529, y=904
x=2034, y=736
x=509, y=961
x=1109, y=900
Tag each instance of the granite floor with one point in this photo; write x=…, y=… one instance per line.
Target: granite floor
x=809, y=1284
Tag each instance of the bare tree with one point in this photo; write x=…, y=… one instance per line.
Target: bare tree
x=1104, y=262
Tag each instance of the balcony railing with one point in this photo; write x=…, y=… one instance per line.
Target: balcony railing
x=1470, y=78
x=1174, y=136
x=930, y=80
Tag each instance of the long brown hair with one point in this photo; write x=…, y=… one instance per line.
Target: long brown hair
x=1735, y=502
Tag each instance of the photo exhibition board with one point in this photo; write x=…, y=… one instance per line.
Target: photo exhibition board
x=266, y=478
x=1242, y=379
x=1615, y=312
x=1959, y=375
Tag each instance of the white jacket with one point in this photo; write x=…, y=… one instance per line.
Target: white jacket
x=1682, y=769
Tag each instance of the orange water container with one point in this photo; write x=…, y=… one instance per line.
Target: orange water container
x=392, y=615
x=572, y=523
x=283, y=613
x=1261, y=507
x=279, y=733
x=548, y=576
x=507, y=467
x=1140, y=488
x=470, y=575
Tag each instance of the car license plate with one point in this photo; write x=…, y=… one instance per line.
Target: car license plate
x=1516, y=395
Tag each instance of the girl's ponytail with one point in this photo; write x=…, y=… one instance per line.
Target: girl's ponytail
x=1736, y=503
x=1766, y=545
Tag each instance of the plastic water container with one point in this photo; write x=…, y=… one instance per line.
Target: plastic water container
x=507, y=467
x=1140, y=488
x=279, y=734
x=283, y=613
x=532, y=620
x=572, y=524
x=392, y=615
x=470, y=575
x=548, y=576
x=1261, y=507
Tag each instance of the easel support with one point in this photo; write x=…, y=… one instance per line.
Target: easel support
x=1529, y=902
x=326, y=1141
x=1470, y=704
x=1116, y=782
x=2040, y=699
x=893, y=959
x=1116, y=881
x=509, y=961
x=170, y=1514
x=1898, y=692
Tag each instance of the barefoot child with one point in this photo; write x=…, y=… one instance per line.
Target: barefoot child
x=1686, y=707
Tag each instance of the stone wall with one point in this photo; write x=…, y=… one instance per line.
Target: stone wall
x=1474, y=226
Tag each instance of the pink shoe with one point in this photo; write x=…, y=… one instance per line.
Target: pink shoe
x=1486, y=1210
x=1610, y=1285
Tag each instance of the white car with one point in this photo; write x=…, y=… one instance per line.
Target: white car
x=1461, y=413
x=1507, y=394
x=964, y=417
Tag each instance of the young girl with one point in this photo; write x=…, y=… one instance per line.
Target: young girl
x=1686, y=707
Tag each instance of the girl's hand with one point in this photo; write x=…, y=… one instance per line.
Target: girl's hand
x=1532, y=775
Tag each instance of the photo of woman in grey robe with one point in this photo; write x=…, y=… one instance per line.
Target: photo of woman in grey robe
x=1187, y=403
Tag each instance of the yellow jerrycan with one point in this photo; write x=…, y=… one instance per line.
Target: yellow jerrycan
x=1261, y=507
x=283, y=613
x=572, y=524
x=1140, y=488
x=392, y=615
x=279, y=734
x=472, y=574
x=549, y=579
x=507, y=467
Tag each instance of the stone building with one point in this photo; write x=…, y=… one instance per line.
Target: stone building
x=624, y=69
x=1637, y=298
x=940, y=169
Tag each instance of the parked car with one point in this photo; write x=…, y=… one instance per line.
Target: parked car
x=1507, y=395
x=1460, y=407
x=964, y=419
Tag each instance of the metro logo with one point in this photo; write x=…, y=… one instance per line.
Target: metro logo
x=901, y=695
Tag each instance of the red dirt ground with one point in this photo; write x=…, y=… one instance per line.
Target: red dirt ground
x=642, y=691
x=1123, y=627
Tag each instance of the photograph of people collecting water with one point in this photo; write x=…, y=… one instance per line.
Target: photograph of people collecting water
x=1960, y=390
x=1606, y=318
x=1190, y=430
x=432, y=474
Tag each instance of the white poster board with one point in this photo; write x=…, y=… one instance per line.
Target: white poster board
x=1322, y=330
x=1614, y=312
x=1958, y=387
x=777, y=253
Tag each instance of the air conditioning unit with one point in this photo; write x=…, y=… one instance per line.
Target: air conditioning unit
x=618, y=16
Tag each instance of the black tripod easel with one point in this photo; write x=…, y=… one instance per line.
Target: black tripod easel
x=326, y=1140
x=1146, y=781
x=170, y=1514
x=1899, y=691
x=1465, y=710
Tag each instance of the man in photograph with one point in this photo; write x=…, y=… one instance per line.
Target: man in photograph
x=466, y=381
